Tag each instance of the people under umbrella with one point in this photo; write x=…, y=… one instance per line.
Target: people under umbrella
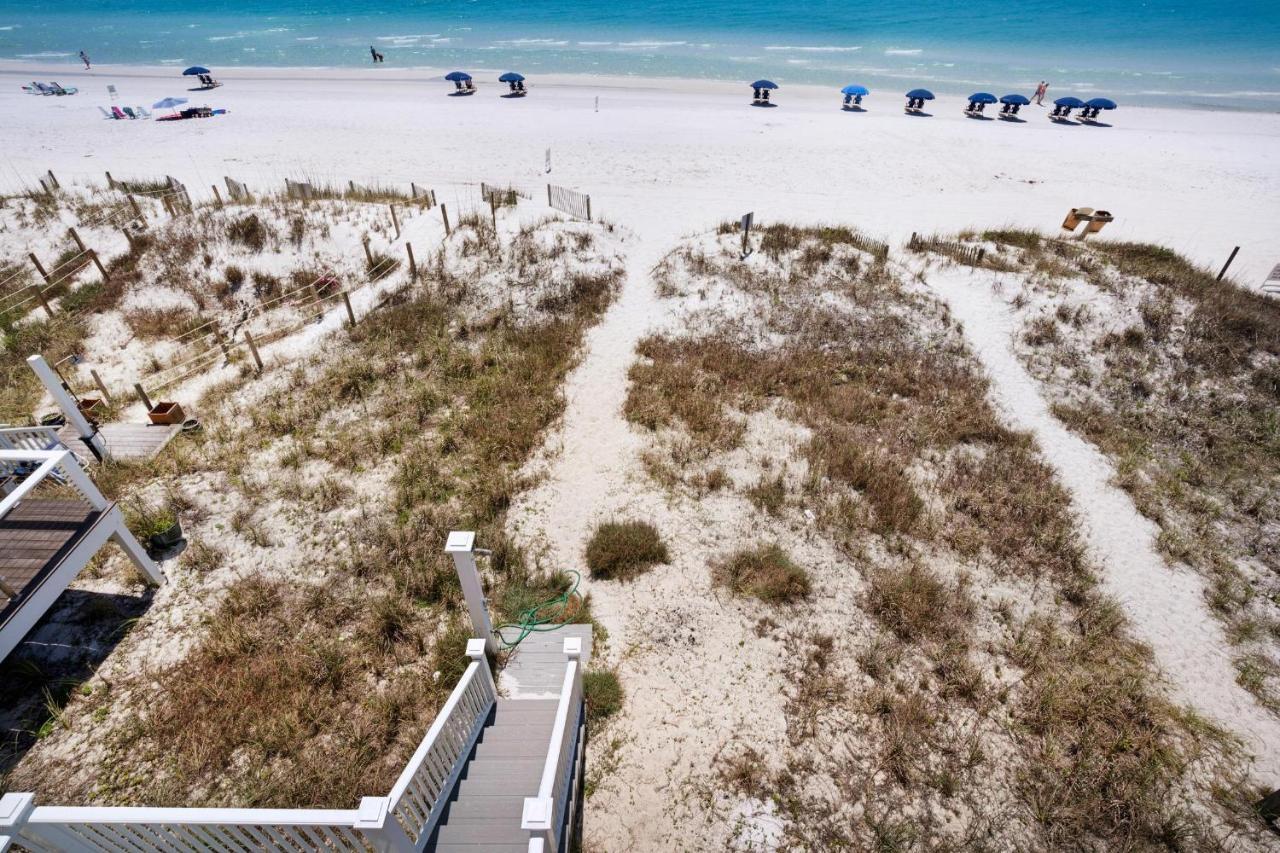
x=1011, y=105
x=1063, y=106
x=204, y=75
x=461, y=81
x=853, y=95
x=1092, y=107
x=916, y=99
x=978, y=102
x=515, y=81
x=760, y=91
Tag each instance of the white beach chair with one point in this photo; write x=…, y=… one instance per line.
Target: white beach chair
x=106, y=114
x=142, y=111
x=111, y=90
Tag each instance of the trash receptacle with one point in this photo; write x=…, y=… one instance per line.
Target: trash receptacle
x=1075, y=217
x=1099, y=219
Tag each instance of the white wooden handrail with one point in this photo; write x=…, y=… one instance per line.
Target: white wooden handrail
x=50, y=460
x=543, y=815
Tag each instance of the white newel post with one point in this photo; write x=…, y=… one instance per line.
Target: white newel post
x=53, y=384
x=476, y=651
x=14, y=811
x=375, y=822
x=461, y=546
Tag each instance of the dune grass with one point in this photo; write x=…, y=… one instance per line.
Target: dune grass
x=623, y=550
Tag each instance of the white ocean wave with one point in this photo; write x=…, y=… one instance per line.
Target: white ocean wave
x=904, y=51
x=815, y=49
x=225, y=38
x=307, y=38
x=170, y=61
x=523, y=42
x=595, y=43
x=408, y=37
x=799, y=61
x=10, y=27
x=44, y=54
x=651, y=43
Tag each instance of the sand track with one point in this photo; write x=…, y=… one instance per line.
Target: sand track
x=1166, y=605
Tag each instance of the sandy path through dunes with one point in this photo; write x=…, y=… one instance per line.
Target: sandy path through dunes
x=1166, y=605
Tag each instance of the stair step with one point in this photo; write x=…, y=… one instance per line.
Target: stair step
x=507, y=734
x=498, y=785
x=504, y=807
x=488, y=833
x=524, y=747
x=499, y=765
x=460, y=847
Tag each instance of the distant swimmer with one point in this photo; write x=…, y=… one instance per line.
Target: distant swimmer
x=377, y=57
x=84, y=57
x=1038, y=97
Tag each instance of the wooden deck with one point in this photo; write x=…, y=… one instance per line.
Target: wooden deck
x=125, y=442
x=535, y=669
x=35, y=537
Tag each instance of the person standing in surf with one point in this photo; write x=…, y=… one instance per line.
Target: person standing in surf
x=1040, y=92
x=84, y=57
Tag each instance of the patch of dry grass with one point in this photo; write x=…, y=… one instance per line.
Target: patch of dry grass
x=622, y=550
x=764, y=572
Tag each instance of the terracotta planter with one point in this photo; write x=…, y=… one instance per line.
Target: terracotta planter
x=90, y=407
x=167, y=413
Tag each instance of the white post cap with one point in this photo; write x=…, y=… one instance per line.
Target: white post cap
x=460, y=541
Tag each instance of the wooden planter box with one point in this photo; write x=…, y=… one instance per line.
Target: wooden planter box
x=167, y=413
x=90, y=407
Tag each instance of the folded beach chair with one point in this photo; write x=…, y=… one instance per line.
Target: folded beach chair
x=130, y=113
x=142, y=111
x=33, y=89
x=118, y=113
x=58, y=90
x=44, y=89
x=104, y=112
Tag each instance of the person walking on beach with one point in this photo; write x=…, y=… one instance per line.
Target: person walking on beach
x=84, y=57
x=1040, y=91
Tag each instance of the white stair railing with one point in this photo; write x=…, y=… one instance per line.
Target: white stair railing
x=549, y=818
x=401, y=821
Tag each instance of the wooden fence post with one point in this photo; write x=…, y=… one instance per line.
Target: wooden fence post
x=39, y=267
x=588, y=208
x=93, y=256
x=137, y=211
x=351, y=187
x=982, y=253
x=548, y=195
x=445, y=213
x=217, y=196
x=351, y=315
x=76, y=238
x=142, y=395
x=102, y=387
x=413, y=266
x=253, y=349
x=1228, y=263
x=43, y=302
x=493, y=210
x=395, y=220
x=54, y=181
x=368, y=255
x=111, y=182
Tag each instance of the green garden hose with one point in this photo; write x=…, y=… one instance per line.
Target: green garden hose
x=533, y=620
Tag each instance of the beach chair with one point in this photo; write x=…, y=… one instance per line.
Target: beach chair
x=142, y=111
x=471, y=87
x=105, y=114
x=44, y=89
x=33, y=89
x=111, y=90
x=130, y=113
x=520, y=86
x=118, y=113
x=59, y=90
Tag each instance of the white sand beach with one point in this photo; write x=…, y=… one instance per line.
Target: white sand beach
x=664, y=160
x=666, y=157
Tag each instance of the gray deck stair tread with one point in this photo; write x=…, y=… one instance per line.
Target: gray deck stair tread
x=514, y=748
x=497, y=786
x=504, y=832
x=461, y=847
x=497, y=807
x=504, y=767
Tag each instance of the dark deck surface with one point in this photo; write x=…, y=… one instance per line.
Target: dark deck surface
x=35, y=537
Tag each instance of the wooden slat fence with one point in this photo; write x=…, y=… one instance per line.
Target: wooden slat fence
x=568, y=201
x=965, y=253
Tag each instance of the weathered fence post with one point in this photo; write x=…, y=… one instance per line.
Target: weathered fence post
x=982, y=253
x=445, y=214
x=1228, y=263
x=142, y=395
x=54, y=181
x=253, y=349
x=102, y=386
x=43, y=302
x=346, y=300
x=111, y=182
x=137, y=211
x=493, y=210
x=368, y=255
x=93, y=256
x=461, y=547
x=548, y=195
x=76, y=239
x=39, y=267
x=413, y=265
x=217, y=196
x=588, y=208
x=395, y=220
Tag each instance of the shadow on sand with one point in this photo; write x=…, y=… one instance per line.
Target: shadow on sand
x=919, y=114
x=60, y=653
x=763, y=104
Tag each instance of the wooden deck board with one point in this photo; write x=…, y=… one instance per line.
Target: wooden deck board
x=34, y=538
x=535, y=669
x=123, y=441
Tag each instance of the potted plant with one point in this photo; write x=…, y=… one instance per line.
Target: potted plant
x=167, y=531
x=167, y=413
x=90, y=407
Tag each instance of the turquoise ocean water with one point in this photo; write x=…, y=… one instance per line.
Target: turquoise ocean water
x=1200, y=53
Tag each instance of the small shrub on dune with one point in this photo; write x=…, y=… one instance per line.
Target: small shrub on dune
x=603, y=694
x=764, y=572
x=622, y=550
x=249, y=231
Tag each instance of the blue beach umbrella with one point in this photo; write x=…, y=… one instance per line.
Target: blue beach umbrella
x=855, y=90
x=1070, y=102
x=922, y=94
x=1100, y=104
x=168, y=103
x=457, y=76
x=982, y=98
x=195, y=71
x=511, y=77
x=1016, y=100
x=764, y=84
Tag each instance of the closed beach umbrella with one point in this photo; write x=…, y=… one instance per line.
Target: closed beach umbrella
x=855, y=90
x=195, y=71
x=1100, y=104
x=511, y=77
x=1016, y=100
x=982, y=98
x=457, y=76
x=764, y=84
x=1070, y=102
x=920, y=94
